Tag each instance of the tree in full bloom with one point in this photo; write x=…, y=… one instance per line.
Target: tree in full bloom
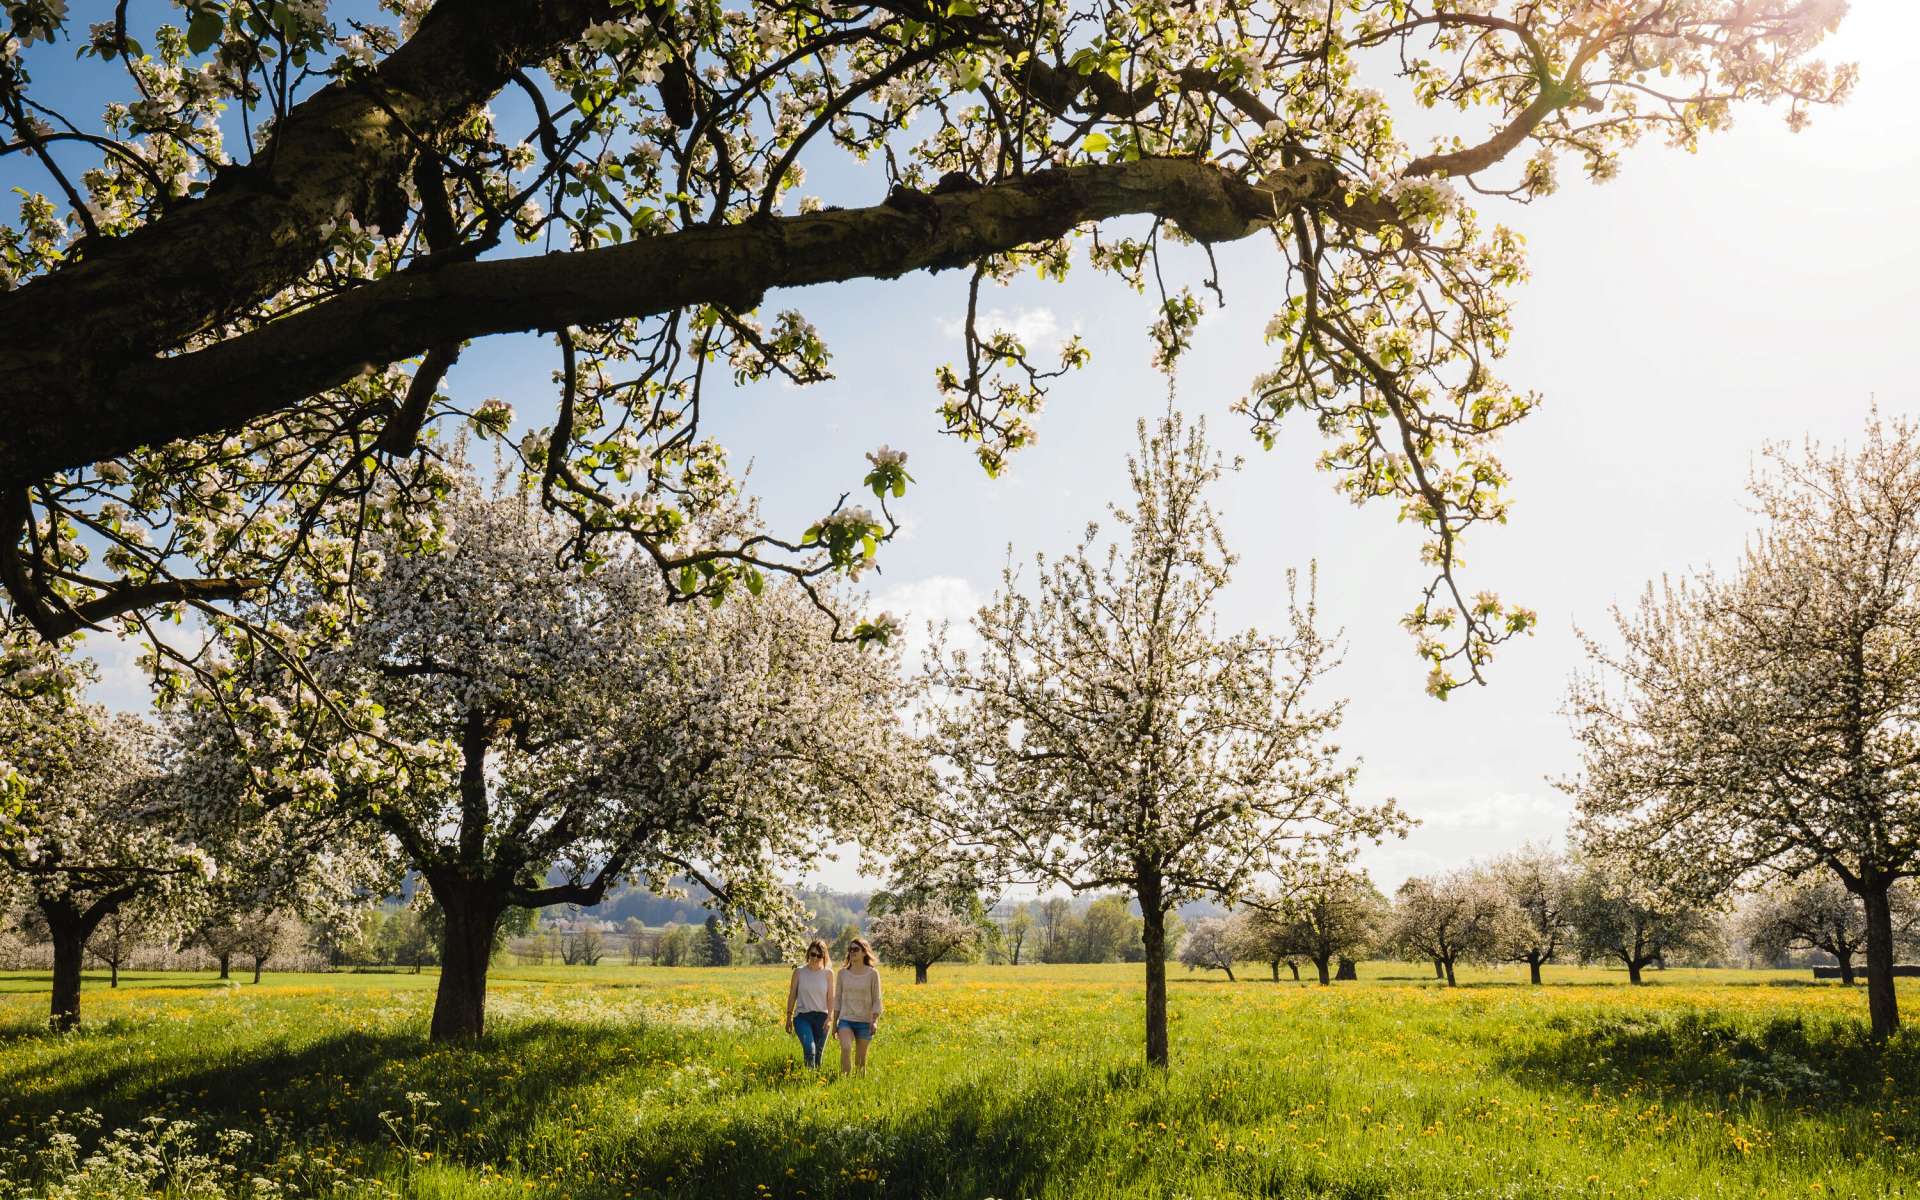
x=1637, y=916
x=257, y=236
x=536, y=735
x=1460, y=914
x=97, y=828
x=1539, y=882
x=922, y=935
x=1107, y=736
x=1813, y=914
x=1769, y=720
x=1326, y=911
x=1209, y=946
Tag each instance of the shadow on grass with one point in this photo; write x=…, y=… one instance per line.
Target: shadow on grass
x=332, y=1089
x=1790, y=1062
x=1061, y=1131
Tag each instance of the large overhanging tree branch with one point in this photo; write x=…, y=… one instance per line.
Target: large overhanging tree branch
x=229, y=303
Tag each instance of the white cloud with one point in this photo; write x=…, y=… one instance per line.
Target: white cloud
x=124, y=684
x=1038, y=329
x=936, y=601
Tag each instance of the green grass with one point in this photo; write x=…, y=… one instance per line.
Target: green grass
x=621, y=1082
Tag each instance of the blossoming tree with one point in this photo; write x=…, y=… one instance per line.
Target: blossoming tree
x=1462, y=914
x=96, y=828
x=1106, y=735
x=1538, y=881
x=1326, y=911
x=250, y=334
x=1769, y=720
x=922, y=935
x=1637, y=917
x=536, y=735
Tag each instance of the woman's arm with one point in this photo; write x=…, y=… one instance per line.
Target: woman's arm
x=877, y=1006
x=793, y=995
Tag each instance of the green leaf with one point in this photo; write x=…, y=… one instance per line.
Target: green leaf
x=689, y=580
x=204, y=30
x=1096, y=142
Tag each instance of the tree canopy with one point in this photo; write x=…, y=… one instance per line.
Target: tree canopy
x=249, y=252
x=1768, y=718
x=536, y=736
x=1107, y=735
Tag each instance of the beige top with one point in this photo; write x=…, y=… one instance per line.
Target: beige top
x=812, y=990
x=859, y=989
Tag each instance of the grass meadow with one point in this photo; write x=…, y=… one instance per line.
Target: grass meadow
x=639, y=1082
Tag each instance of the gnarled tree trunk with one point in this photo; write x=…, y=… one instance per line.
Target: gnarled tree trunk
x=1533, y=969
x=1325, y=966
x=69, y=944
x=472, y=909
x=920, y=972
x=1882, y=1006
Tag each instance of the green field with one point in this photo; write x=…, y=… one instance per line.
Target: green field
x=989, y=1082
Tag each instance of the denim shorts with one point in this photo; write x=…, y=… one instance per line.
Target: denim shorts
x=862, y=1030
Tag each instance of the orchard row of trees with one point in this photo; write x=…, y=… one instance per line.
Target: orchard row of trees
x=1538, y=907
x=532, y=746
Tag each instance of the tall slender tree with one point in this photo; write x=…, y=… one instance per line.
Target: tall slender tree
x=1107, y=736
x=1771, y=718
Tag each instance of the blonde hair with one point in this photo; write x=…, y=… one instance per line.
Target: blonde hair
x=865, y=948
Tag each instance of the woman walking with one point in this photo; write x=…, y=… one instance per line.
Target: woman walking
x=857, y=1005
x=809, y=1000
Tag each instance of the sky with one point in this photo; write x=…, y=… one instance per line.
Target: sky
x=1678, y=319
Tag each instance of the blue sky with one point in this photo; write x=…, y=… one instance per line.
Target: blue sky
x=1679, y=318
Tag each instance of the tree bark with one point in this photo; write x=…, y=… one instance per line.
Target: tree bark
x=1451, y=981
x=226, y=963
x=257, y=963
x=1295, y=968
x=920, y=972
x=1533, y=969
x=69, y=944
x=1883, y=1008
x=1633, y=970
x=112, y=404
x=1846, y=967
x=472, y=909
x=1439, y=969
x=1153, y=942
x=113, y=973
x=1324, y=966
x=1228, y=968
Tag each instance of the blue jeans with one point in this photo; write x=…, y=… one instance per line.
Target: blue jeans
x=812, y=1028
